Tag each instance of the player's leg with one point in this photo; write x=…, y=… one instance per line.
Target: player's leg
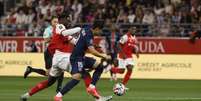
x=98, y=65
x=70, y=85
x=59, y=82
x=38, y=87
x=87, y=78
x=30, y=69
x=128, y=74
x=117, y=70
x=91, y=64
x=113, y=64
x=48, y=65
x=129, y=66
x=120, y=69
x=92, y=87
x=53, y=75
x=77, y=67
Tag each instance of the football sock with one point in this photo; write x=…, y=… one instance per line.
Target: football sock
x=59, y=94
x=117, y=70
x=59, y=82
x=69, y=86
x=40, y=86
x=39, y=71
x=87, y=80
x=26, y=95
x=127, y=77
x=92, y=86
x=96, y=75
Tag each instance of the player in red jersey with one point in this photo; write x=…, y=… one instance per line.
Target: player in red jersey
x=59, y=47
x=47, y=56
x=128, y=44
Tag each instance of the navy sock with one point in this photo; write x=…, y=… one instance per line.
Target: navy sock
x=59, y=82
x=69, y=86
x=51, y=80
x=39, y=71
x=96, y=75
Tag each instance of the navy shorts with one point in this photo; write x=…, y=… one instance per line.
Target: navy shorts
x=48, y=59
x=80, y=64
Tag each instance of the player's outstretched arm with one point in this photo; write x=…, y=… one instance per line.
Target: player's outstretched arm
x=137, y=51
x=93, y=51
x=71, y=31
x=136, y=47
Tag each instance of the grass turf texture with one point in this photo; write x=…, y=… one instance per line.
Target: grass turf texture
x=140, y=90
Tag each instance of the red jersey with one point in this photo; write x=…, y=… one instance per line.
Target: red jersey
x=128, y=44
x=59, y=42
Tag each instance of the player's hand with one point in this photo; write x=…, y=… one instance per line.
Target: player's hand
x=107, y=57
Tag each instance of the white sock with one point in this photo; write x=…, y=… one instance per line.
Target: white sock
x=26, y=95
x=92, y=86
x=59, y=95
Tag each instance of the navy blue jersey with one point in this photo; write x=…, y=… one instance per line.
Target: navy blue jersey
x=85, y=40
x=80, y=66
x=77, y=58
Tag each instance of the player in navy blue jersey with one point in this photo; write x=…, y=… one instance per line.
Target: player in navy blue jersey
x=78, y=61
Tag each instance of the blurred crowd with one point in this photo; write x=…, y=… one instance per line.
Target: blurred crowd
x=150, y=17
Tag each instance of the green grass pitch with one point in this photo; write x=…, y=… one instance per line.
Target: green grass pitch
x=140, y=90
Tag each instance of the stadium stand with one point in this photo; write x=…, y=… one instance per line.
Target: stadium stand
x=151, y=17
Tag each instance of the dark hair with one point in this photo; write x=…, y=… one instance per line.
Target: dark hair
x=53, y=17
x=64, y=15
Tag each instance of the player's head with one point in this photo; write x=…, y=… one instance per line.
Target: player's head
x=54, y=20
x=132, y=30
x=65, y=19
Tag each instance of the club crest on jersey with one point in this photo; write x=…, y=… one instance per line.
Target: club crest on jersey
x=60, y=27
x=83, y=32
x=91, y=41
x=80, y=66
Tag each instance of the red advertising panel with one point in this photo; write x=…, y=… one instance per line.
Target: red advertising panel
x=147, y=45
x=169, y=46
x=20, y=44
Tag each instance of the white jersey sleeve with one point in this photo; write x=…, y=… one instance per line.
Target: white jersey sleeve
x=61, y=29
x=71, y=31
x=123, y=39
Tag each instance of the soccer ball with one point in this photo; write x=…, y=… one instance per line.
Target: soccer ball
x=119, y=89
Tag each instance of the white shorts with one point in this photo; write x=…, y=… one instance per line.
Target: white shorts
x=124, y=62
x=60, y=63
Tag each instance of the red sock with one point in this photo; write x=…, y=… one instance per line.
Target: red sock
x=87, y=80
x=40, y=86
x=127, y=77
x=117, y=70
